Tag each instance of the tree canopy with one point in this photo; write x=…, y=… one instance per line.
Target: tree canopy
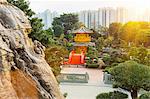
x=58, y=30
x=37, y=32
x=23, y=5
x=139, y=54
x=132, y=77
x=54, y=56
x=136, y=32
x=115, y=30
x=66, y=21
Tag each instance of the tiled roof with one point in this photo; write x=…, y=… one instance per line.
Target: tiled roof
x=82, y=29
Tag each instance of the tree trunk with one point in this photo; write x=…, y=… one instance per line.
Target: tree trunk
x=134, y=94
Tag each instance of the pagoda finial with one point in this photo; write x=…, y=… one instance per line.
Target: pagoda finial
x=82, y=25
x=83, y=30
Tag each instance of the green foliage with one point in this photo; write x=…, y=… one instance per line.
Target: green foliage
x=103, y=96
x=23, y=5
x=131, y=76
x=95, y=35
x=129, y=31
x=66, y=21
x=108, y=41
x=99, y=43
x=78, y=25
x=139, y=54
x=92, y=53
x=69, y=46
x=145, y=96
x=106, y=57
x=37, y=28
x=115, y=30
x=69, y=21
x=37, y=33
x=56, y=70
x=65, y=95
x=54, y=56
x=49, y=30
x=136, y=32
x=113, y=57
x=93, y=65
x=69, y=36
x=102, y=31
x=142, y=37
x=112, y=95
x=117, y=56
x=58, y=30
x=92, y=62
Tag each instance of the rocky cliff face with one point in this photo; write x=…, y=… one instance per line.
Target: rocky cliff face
x=24, y=73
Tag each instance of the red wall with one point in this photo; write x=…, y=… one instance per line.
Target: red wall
x=76, y=59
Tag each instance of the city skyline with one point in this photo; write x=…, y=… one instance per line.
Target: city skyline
x=100, y=17
x=67, y=6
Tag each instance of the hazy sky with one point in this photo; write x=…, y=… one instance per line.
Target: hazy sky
x=78, y=5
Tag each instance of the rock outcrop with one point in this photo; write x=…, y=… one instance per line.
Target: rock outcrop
x=24, y=73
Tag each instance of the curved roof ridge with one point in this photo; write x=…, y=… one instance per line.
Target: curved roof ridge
x=83, y=29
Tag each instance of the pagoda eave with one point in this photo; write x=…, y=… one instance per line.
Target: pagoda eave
x=83, y=44
x=82, y=32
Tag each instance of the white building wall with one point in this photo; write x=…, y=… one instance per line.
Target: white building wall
x=100, y=17
x=47, y=18
x=103, y=16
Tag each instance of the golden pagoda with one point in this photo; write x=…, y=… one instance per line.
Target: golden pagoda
x=82, y=39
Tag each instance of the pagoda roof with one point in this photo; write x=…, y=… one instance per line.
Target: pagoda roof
x=83, y=44
x=83, y=30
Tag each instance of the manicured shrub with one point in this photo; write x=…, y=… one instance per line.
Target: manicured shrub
x=54, y=56
x=92, y=65
x=106, y=57
x=103, y=96
x=112, y=95
x=131, y=73
x=118, y=95
x=65, y=95
x=145, y=96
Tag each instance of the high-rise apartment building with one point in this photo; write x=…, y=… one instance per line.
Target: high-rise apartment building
x=47, y=18
x=102, y=16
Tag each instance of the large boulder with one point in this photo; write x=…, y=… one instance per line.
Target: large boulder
x=24, y=73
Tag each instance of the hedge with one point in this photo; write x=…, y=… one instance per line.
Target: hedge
x=112, y=95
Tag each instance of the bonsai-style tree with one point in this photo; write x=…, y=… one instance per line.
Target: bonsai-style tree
x=132, y=77
x=65, y=23
x=54, y=57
